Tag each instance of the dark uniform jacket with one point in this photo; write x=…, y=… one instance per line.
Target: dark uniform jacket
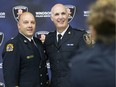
x=95, y=67
x=59, y=56
x=24, y=63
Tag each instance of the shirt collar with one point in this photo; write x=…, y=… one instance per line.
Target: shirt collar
x=27, y=37
x=63, y=31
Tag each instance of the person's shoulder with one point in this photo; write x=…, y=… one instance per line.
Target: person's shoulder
x=50, y=37
x=11, y=44
x=50, y=34
x=79, y=30
x=12, y=40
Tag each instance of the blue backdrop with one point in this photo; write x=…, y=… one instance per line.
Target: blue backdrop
x=41, y=10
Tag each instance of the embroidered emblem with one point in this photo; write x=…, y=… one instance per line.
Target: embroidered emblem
x=9, y=47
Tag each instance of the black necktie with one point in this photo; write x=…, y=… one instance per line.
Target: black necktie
x=34, y=46
x=32, y=41
x=59, y=38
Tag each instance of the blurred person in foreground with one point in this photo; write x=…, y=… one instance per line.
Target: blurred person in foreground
x=23, y=57
x=60, y=45
x=96, y=66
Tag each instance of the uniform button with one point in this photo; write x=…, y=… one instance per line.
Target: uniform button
x=39, y=66
x=40, y=74
x=57, y=61
x=41, y=83
x=46, y=82
x=58, y=51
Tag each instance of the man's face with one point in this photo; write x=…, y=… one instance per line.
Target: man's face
x=27, y=24
x=59, y=16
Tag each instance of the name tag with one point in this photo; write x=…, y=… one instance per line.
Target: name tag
x=70, y=44
x=29, y=57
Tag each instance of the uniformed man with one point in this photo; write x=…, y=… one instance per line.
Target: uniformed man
x=24, y=64
x=60, y=45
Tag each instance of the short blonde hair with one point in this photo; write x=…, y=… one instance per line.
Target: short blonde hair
x=103, y=18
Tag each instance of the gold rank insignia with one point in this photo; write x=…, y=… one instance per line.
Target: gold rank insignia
x=16, y=86
x=29, y=57
x=9, y=47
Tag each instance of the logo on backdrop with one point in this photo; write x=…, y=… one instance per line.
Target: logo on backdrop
x=71, y=10
x=2, y=84
x=18, y=10
x=43, y=14
x=2, y=14
x=1, y=38
x=41, y=35
x=0, y=65
x=86, y=13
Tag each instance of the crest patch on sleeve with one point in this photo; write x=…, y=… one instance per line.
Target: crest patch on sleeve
x=9, y=47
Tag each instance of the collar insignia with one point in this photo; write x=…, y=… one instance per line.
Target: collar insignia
x=69, y=32
x=25, y=41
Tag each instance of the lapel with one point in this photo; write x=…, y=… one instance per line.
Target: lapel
x=66, y=36
x=54, y=39
x=25, y=41
x=39, y=47
x=28, y=44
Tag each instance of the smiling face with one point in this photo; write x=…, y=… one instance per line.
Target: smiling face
x=59, y=16
x=26, y=24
